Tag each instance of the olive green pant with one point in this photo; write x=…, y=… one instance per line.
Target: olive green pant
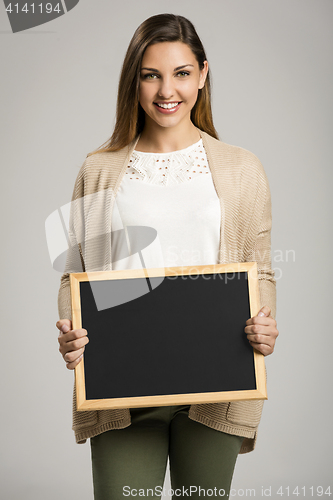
x=132, y=461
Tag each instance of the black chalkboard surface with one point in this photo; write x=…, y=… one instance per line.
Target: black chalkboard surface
x=167, y=336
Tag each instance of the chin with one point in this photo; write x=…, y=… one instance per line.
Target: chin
x=167, y=121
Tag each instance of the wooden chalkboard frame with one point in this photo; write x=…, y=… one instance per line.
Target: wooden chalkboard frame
x=169, y=399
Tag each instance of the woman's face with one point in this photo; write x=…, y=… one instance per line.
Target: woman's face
x=169, y=81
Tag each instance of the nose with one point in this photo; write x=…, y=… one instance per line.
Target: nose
x=166, y=89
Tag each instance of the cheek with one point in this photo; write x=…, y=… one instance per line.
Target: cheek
x=190, y=90
x=192, y=93
x=145, y=93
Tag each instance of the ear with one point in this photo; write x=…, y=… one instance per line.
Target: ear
x=203, y=75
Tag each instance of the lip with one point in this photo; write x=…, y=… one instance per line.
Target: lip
x=167, y=111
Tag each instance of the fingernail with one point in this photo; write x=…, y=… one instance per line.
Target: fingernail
x=261, y=314
x=64, y=328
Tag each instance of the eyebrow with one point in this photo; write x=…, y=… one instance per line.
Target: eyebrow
x=176, y=69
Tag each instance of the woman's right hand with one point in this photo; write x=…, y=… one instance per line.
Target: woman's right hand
x=71, y=342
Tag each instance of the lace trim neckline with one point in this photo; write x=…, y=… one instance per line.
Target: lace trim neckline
x=168, y=168
x=180, y=151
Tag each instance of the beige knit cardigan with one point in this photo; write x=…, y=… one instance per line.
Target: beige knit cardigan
x=243, y=190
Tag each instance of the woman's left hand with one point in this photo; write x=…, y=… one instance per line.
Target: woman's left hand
x=262, y=332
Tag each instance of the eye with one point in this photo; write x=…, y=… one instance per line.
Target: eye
x=150, y=76
x=183, y=73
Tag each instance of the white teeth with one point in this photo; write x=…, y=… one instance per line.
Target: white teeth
x=167, y=106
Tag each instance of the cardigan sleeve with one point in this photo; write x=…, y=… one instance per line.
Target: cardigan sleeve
x=74, y=259
x=260, y=250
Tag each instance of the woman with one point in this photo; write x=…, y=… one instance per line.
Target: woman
x=164, y=167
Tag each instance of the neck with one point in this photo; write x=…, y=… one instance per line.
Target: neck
x=167, y=139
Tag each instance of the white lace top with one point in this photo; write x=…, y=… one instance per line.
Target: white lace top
x=173, y=196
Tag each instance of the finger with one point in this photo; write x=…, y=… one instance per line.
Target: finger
x=262, y=334
x=71, y=366
x=262, y=329
x=72, y=335
x=72, y=356
x=264, y=311
x=261, y=320
x=261, y=339
x=74, y=345
x=262, y=348
x=64, y=325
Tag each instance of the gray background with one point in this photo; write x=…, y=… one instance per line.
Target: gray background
x=271, y=64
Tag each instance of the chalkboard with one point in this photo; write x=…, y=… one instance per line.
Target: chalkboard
x=167, y=336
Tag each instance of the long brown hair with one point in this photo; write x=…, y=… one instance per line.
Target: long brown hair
x=130, y=117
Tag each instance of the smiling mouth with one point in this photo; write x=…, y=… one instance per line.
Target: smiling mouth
x=169, y=105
